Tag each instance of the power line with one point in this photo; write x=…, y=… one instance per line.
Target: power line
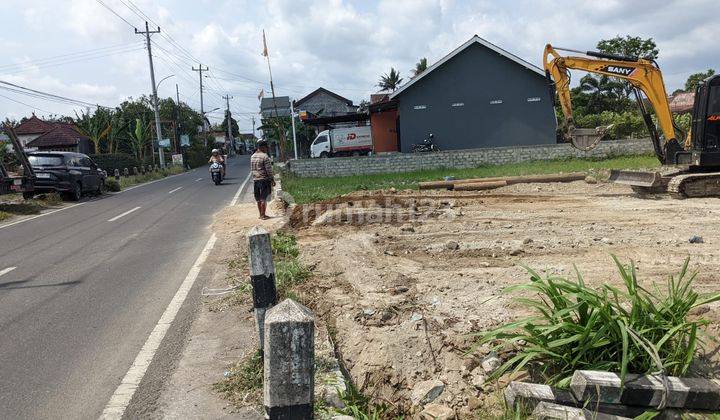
x=62, y=63
x=115, y=13
x=27, y=105
x=49, y=96
x=73, y=55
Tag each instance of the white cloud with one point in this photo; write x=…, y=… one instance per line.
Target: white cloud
x=343, y=45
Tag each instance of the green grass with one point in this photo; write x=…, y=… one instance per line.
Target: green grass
x=243, y=382
x=308, y=190
x=289, y=271
x=4, y=215
x=361, y=407
x=630, y=329
x=131, y=180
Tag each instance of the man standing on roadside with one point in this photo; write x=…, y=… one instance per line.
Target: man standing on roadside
x=263, y=181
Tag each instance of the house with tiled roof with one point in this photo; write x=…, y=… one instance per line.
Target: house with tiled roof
x=47, y=135
x=62, y=137
x=31, y=128
x=325, y=103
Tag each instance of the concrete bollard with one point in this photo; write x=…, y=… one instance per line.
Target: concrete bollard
x=117, y=174
x=135, y=170
x=262, y=276
x=288, y=382
x=126, y=172
x=149, y=168
x=157, y=168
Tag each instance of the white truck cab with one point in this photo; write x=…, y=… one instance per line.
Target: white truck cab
x=320, y=147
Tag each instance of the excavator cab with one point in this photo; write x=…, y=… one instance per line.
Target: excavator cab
x=705, y=138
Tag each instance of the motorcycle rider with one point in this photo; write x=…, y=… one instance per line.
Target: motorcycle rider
x=216, y=157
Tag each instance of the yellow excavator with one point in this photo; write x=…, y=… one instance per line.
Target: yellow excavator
x=691, y=168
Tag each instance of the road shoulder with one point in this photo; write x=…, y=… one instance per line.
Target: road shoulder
x=222, y=333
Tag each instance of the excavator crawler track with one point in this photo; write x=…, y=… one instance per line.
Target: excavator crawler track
x=695, y=185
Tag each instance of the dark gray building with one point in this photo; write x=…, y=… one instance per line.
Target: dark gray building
x=322, y=102
x=477, y=96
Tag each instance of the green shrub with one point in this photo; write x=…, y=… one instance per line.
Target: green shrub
x=625, y=124
x=112, y=185
x=111, y=161
x=621, y=330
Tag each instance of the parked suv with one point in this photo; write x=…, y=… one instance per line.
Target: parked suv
x=71, y=174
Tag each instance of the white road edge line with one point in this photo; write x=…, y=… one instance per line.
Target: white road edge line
x=172, y=191
x=242, y=186
x=39, y=215
x=7, y=270
x=199, y=179
x=120, y=400
x=123, y=214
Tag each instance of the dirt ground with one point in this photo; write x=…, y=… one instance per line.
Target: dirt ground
x=404, y=276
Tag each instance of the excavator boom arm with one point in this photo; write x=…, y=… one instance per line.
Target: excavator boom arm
x=640, y=73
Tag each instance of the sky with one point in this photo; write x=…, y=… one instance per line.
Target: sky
x=87, y=49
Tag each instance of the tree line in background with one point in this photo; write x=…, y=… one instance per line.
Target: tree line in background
x=603, y=100
x=123, y=136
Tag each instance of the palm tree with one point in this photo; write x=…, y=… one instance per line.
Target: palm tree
x=420, y=66
x=390, y=81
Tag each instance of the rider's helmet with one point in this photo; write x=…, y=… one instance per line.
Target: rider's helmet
x=215, y=152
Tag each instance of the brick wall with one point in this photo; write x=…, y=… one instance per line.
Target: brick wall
x=409, y=162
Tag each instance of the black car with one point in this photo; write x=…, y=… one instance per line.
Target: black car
x=68, y=173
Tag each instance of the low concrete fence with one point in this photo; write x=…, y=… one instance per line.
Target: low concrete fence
x=458, y=159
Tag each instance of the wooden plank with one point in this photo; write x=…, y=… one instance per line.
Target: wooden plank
x=478, y=186
x=573, y=176
x=645, y=390
x=552, y=411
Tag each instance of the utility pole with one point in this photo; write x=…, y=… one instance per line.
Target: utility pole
x=177, y=120
x=292, y=115
x=158, y=128
x=202, y=109
x=228, y=117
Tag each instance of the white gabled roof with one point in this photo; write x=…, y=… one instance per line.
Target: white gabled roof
x=471, y=41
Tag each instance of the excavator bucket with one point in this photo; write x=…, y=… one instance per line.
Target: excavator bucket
x=637, y=178
x=587, y=138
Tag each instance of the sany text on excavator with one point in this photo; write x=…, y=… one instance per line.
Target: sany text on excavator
x=692, y=168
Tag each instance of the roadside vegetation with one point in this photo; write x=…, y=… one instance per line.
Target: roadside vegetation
x=14, y=205
x=308, y=190
x=289, y=271
x=633, y=329
x=126, y=182
x=242, y=384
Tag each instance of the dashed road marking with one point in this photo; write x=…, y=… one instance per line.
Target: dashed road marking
x=7, y=270
x=173, y=190
x=123, y=214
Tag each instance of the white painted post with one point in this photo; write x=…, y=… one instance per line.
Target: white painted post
x=289, y=371
x=262, y=276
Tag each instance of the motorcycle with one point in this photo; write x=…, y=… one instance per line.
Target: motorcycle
x=426, y=146
x=216, y=173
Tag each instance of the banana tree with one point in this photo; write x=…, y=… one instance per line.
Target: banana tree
x=139, y=138
x=96, y=126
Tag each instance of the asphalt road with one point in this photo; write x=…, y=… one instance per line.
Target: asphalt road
x=89, y=286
